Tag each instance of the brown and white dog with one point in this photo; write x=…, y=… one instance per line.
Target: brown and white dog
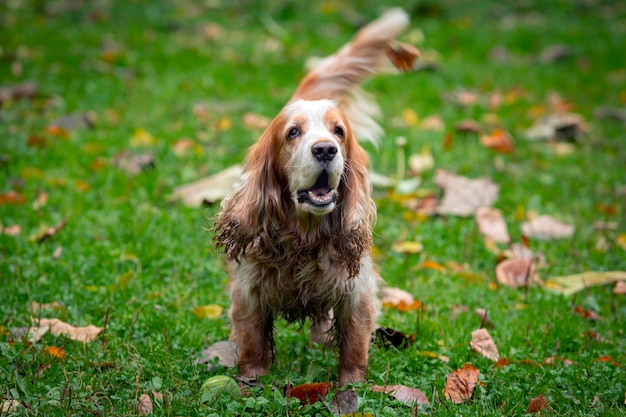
x=297, y=227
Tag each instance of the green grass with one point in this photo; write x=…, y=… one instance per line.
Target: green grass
x=145, y=65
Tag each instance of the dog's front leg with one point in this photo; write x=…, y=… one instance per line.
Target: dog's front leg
x=252, y=330
x=355, y=324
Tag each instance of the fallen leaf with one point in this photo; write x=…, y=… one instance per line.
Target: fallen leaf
x=538, y=404
x=432, y=265
x=309, y=393
x=460, y=384
x=211, y=311
x=36, y=308
x=468, y=126
x=588, y=314
x=183, y=146
x=389, y=337
x=208, y=190
x=516, y=272
x=27, y=89
x=433, y=123
x=499, y=140
x=608, y=359
x=546, y=228
x=54, y=351
x=403, y=56
x=46, y=232
x=255, y=121
x=620, y=288
x=9, y=406
x=558, y=127
x=74, y=121
x=409, y=117
x=501, y=363
x=483, y=344
x=12, y=198
x=421, y=162
x=491, y=224
x=407, y=247
x=462, y=97
x=57, y=327
x=144, y=405
x=407, y=395
x=142, y=138
x=12, y=230
x=40, y=201
x=133, y=164
x=226, y=353
x=463, y=196
x=571, y=284
x=394, y=296
x=554, y=53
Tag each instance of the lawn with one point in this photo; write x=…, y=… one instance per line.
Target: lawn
x=133, y=99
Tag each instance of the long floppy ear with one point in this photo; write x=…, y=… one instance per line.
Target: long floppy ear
x=256, y=204
x=356, y=190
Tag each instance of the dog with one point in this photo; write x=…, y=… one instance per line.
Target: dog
x=296, y=228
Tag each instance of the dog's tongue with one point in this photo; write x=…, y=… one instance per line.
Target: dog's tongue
x=321, y=188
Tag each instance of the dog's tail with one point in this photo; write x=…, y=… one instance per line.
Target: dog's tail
x=338, y=77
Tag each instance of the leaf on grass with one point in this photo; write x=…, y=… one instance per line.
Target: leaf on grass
x=309, y=393
x=389, y=337
x=211, y=311
x=463, y=196
x=398, y=299
x=9, y=406
x=46, y=232
x=57, y=352
x=255, y=121
x=558, y=127
x=133, y=164
x=11, y=198
x=538, y=404
x=433, y=265
x=27, y=89
x=620, y=288
x=588, y=314
x=74, y=121
x=421, y=162
x=462, y=97
x=468, y=126
x=461, y=383
x=608, y=359
x=142, y=138
x=516, y=272
x=501, y=363
x=12, y=230
x=499, y=140
x=570, y=284
x=36, y=308
x=491, y=224
x=407, y=247
x=484, y=344
x=225, y=351
x=403, y=56
x=57, y=327
x=433, y=123
x=407, y=395
x=144, y=405
x=208, y=190
x=546, y=228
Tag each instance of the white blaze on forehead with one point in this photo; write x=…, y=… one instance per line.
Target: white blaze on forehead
x=314, y=111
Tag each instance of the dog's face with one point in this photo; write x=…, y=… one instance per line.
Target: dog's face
x=314, y=137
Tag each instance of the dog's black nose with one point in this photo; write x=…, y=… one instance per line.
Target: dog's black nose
x=324, y=151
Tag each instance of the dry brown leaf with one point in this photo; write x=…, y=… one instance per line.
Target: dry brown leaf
x=558, y=127
x=588, y=314
x=310, y=393
x=461, y=383
x=620, y=288
x=499, y=140
x=57, y=327
x=516, y=272
x=403, y=56
x=538, y=404
x=389, y=337
x=462, y=196
x=483, y=344
x=255, y=121
x=468, y=126
x=404, y=394
x=27, y=89
x=501, y=363
x=546, y=228
x=47, y=232
x=491, y=224
x=208, y=190
x=462, y=97
x=225, y=351
x=395, y=296
x=12, y=230
x=133, y=164
x=144, y=405
x=57, y=352
x=433, y=123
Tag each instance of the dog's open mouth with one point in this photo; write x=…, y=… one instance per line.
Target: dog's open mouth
x=320, y=194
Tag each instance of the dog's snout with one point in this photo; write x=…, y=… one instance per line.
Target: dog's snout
x=324, y=151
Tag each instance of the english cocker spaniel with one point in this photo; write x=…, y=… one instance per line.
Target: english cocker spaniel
x=297, y=227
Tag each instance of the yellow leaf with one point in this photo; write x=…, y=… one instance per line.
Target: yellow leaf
x=211, y=311
x=407, y=247
x=410, y=117
x=142, y=138
x=124, y=280
x=224, y=124
x=571, y=284
x=621, y=240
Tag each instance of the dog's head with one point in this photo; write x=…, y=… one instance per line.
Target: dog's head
x=307, y=168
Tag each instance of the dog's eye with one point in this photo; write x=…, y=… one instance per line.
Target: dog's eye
x=293, y=133
x=339, y=132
